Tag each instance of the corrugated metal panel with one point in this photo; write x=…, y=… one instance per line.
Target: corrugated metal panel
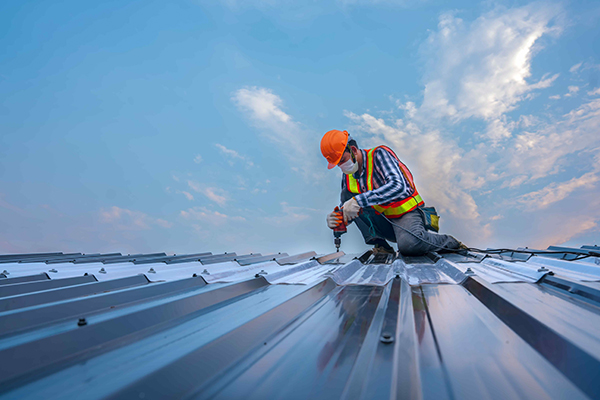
x=508, y=324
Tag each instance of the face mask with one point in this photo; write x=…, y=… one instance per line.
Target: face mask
x=349, y=167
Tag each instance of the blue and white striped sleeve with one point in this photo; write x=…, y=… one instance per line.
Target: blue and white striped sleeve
x=395, y=187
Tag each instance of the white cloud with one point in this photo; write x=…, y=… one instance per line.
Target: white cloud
x=572, y=91
x=126, y=220
x=290, y=215
x=557, y=191
x=575, y=67
x=555, y=97
x=198, y=159
x=215, y=194
x=233, y=155
x=203, y=214
x=481, y=69
x=543, y=152
x=264, y=108
x=594, y=92
x=188, y=195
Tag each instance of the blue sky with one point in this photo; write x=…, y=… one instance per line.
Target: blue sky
x=192, y=126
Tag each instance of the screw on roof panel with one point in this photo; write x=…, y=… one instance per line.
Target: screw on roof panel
x=151, y=271
x=386, y=338
x=469, y=271
x=205, y=272
x=52, y=270
x=5, y=272
x=543, y=269
x=102, y=270
x=81, y=322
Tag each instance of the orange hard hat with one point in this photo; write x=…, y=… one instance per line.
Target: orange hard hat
x=333, y=146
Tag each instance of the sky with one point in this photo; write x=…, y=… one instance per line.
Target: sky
x=192, y=125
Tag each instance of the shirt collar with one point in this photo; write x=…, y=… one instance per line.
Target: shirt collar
x=364, y=165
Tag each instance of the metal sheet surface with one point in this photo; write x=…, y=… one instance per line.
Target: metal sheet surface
x=484, y=358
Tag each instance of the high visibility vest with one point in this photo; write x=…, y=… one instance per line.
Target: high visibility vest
x=396, y=208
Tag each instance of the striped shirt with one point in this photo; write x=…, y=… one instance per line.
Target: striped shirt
x=389, y=184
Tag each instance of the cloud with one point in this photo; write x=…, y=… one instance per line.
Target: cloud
x=575, y=67
x=572, y=90
x=542, y=152
x=594, y=92
x=198, y=159
x=215, y=194
x=291, y=215
x=205, y=215
x=555, y=97
x=128, y=220
x=265, y=110
x=188, y=195
x=555, y=192
x=481, y=69
x=233, y=155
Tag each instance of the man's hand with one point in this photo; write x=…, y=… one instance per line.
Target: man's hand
x=351, y=210
x=334, y=218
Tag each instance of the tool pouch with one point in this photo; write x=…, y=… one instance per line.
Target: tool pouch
x=431, y=219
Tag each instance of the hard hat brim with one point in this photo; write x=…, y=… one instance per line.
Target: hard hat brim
x=331, y=166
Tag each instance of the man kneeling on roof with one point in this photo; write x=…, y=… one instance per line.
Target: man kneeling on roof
x=380, y=196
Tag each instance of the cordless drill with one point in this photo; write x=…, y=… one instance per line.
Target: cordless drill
x=339, y=230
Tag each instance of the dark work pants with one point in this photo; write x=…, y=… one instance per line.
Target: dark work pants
x=408, y=231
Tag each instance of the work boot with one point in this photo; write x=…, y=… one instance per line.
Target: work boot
x=381, y=249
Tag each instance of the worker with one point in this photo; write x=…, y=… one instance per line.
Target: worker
x=380, y=196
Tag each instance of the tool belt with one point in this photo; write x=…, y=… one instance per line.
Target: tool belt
x=431, y=219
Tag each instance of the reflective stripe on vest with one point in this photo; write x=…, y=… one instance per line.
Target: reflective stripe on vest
x=394, y=209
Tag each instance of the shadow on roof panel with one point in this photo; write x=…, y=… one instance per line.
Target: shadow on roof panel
x=561, y=328
x=36, y=286
x=473, y=342
x=68, y=292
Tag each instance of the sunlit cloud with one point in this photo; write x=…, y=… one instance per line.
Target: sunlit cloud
x=232, y=156
x=205, y=215
x=215, y=194
x=265, y=110
x=124, y=219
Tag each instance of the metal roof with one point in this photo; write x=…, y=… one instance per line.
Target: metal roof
x=501, y=324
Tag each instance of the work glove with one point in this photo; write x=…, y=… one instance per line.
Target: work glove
x=351, y=210
x=334, y=218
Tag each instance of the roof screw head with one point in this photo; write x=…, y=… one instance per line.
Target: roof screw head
x=52, y=270
x=194, y=275
x=102, y=270
x=205, y=272
x=397, y=276
x=5, y=272
x=81, y=322
x=151, y=271
x=469, y=271
x=543, y=269
x=386, y=338
x=263, y=272
x=86, y=274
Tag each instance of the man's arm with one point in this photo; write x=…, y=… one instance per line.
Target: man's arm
x=396, y=187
